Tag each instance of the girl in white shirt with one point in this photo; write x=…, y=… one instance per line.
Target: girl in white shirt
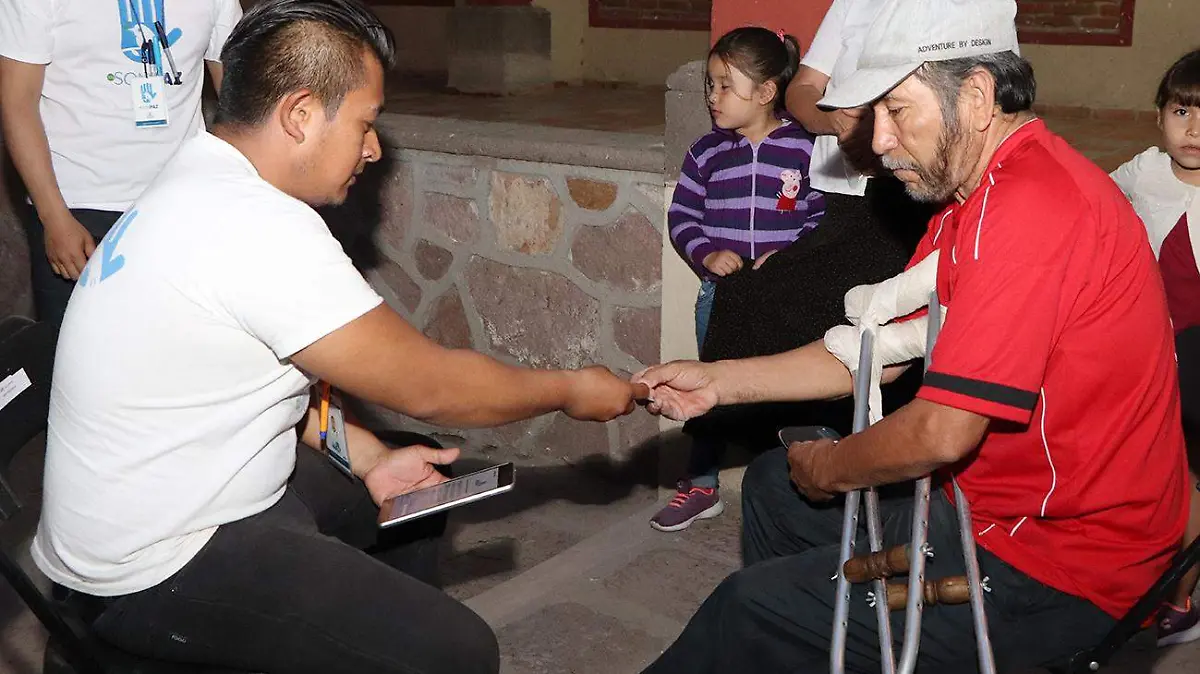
x=1164, y=186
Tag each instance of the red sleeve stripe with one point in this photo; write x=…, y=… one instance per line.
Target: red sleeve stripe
x=983, y=390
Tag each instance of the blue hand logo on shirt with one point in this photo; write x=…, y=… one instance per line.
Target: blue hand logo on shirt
x=105, y=254
x=137, y=26
x=148, y=93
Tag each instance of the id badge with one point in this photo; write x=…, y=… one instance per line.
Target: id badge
x=335, y=439
x=149, y=102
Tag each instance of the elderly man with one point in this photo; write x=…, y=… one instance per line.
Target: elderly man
x=1052, y=396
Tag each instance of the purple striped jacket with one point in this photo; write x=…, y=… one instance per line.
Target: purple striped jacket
x=751, y=200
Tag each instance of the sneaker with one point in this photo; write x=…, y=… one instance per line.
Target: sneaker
x=1178, y=626
x=690, y=504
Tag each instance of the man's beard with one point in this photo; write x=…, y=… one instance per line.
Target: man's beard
x=935, y=183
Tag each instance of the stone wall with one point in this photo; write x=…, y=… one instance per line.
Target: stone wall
x=15, y=296
x=540, y=264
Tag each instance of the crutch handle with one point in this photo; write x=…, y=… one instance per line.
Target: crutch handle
x=882, y=564
x=952, y=590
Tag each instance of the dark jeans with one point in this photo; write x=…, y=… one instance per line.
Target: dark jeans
x=51, y=291
x=292, y=590
x=776, y=614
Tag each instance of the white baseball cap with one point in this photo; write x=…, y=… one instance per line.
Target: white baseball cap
x=908, y=33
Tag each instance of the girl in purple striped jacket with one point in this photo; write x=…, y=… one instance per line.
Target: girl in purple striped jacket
x=743, y=194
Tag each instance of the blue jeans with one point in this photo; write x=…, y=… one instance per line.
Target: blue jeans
x=704, y=302
x=706, y=454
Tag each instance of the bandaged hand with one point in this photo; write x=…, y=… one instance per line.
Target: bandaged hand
x=880, y=303
x=894, y=343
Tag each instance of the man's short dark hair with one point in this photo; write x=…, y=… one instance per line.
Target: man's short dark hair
x=282, y=46
x=1015, y=88
x=1181, y=83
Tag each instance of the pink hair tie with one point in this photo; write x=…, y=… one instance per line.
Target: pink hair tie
x=782, y=35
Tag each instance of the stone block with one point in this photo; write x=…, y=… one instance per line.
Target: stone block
x=447, y=324
x=636, y=332
x=637, y=436
x=432, y=260
x=499, y=50
x=455, y=217
x=396, y=207
x=526, y=213
x=656, y=195
x=687, y=117
x=518, y=433
x=400, y=284
x=592, y=195
x=626, y=255
x=15, y=291
x=537, y=317
x=458, y=176
x=573, y=441
x=571, y=637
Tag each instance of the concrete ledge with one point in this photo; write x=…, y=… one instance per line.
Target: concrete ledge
x=526, y=142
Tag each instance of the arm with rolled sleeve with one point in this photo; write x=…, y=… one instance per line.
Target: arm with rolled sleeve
x=686, y=215
x=226, y=14
x=826, y=45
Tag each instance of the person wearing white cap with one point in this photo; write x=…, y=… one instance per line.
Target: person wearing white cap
x=1051, y=398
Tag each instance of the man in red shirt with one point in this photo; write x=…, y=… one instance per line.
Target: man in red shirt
x=1052, y=397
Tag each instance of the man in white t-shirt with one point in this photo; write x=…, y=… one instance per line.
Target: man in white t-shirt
x=831, y=58
x=843, y=166
x=73, y=74
x=179, y=511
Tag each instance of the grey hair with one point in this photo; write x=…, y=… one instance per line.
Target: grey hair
x=1015, y=87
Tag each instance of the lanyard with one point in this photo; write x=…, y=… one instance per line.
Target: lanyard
x=147, y=50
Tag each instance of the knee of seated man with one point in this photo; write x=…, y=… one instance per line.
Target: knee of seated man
x=769, y=470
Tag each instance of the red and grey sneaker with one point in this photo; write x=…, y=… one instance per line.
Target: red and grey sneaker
x=1178, y=625
x=690, y=504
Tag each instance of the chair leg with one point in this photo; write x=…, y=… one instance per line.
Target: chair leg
x=75, y=649
x=1132, y=623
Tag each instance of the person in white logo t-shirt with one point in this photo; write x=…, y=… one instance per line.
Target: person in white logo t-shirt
x=179, y=512
x=95, y=97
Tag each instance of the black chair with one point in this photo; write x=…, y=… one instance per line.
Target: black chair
x=29, y=346
x=1093, y=659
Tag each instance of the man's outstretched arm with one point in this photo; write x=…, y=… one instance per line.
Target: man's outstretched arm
x=380, y=358
x=685, y=389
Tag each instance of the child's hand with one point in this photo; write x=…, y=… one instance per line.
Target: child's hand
x=759, y=262
x=723, y=262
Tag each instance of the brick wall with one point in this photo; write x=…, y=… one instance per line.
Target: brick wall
x=1078, y=22
x=660, y=14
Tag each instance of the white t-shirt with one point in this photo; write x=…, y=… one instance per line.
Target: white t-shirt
x=834, y=52
x=1159, y=198
x=91, y=52
x=173, y=404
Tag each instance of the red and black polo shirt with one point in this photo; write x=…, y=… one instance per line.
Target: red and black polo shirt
x=1057, y=329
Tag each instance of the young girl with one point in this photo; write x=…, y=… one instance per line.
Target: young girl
x=743, y=194
x=1164, y=186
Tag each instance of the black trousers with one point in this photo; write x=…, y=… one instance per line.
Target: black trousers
x=292, y=590
x=776, y=614
x=51, y=292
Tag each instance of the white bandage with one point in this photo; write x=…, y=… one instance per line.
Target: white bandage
x=894, y=342
x=904, y=293
x=874, y=307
